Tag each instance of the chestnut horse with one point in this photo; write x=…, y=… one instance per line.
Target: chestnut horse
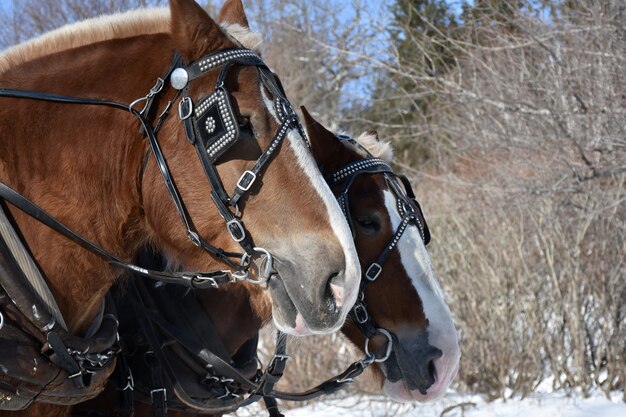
x=402, y=317
x=90, y=167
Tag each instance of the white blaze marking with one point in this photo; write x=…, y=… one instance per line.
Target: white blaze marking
x=416, y=263
x=441, y=331
x=336, y=217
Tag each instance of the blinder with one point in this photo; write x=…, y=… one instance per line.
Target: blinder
x=215, y=124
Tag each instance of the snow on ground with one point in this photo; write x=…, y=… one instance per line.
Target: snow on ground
x=556, y=404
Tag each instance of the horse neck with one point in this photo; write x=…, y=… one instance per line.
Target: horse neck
x=85, y=168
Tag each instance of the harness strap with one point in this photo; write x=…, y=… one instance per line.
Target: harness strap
x=158, y=392
x=272, y=407
x=247, y=179
x=125, y=406
x=191, y=279
x=30, y=269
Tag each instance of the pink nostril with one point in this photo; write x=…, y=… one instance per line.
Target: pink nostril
x=338, y=293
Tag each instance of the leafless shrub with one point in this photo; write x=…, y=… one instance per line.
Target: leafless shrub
x=527, y=195
x=517, y=146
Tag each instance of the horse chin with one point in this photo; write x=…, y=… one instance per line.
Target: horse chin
x=398, y=391
x=285, y=314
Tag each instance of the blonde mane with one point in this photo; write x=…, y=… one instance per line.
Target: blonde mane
x=103, y=28
x=378, y=148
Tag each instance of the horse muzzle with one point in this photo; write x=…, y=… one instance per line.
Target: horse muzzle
x=418, y=371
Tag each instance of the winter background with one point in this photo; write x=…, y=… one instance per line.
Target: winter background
x=508, y=117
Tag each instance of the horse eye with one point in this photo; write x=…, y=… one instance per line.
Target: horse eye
x=369, y=223
x=244, y=122
x=245, y=125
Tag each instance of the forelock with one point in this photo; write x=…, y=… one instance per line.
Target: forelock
x=378, y=148
x=244, y=36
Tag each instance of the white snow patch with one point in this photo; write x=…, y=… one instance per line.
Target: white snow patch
x=556, y=404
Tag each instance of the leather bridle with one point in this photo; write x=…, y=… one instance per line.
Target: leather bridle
x=237, y=392
x=211, y=139
x=212, y=128
x=411, y=215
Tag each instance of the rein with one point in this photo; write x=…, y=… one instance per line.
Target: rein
x=161, y=334
x=212, y=129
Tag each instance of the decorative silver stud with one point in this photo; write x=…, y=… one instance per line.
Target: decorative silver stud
x=179, y=78
x=210, y=125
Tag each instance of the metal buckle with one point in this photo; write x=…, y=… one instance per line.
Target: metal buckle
x=286, y=108
x=271, y=367
x=246, y=180
x=77, y=374
x=226, y=394
x=373, y=272
x=1, y=320
x=156, y=89
x=236, y=230
x=49, y=326
x=199, y=280
x=185, y=112
x=389, y=346
x=361, y=314
x=344, y=380
x=193, y=236
x=154, y=391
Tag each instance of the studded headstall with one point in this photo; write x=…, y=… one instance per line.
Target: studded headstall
x=211, y=126
x=410, y=212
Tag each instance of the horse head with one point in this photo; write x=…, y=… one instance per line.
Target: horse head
x=402, y=316
x=285, y=209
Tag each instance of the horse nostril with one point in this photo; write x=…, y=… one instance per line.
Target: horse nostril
x=335, y=289
x=432, y=371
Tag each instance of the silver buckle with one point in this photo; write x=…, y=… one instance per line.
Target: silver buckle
x=361, y=313
x=373, y=272
x=193, y=236
x=387, y=351
x=156, y=89
x=154, y=391
x=181, y=110
x=344, y=380
x=49, y=326
x=196, y=280
x=1, y=320
x=238, y=227
x=248, y=176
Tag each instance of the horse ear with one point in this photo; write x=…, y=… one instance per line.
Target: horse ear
x=324, y=144
x=194, y=32
x=232, y=13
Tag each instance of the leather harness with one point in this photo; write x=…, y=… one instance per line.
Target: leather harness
x=47, y=363
x=69, y=373
x=196, y=374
